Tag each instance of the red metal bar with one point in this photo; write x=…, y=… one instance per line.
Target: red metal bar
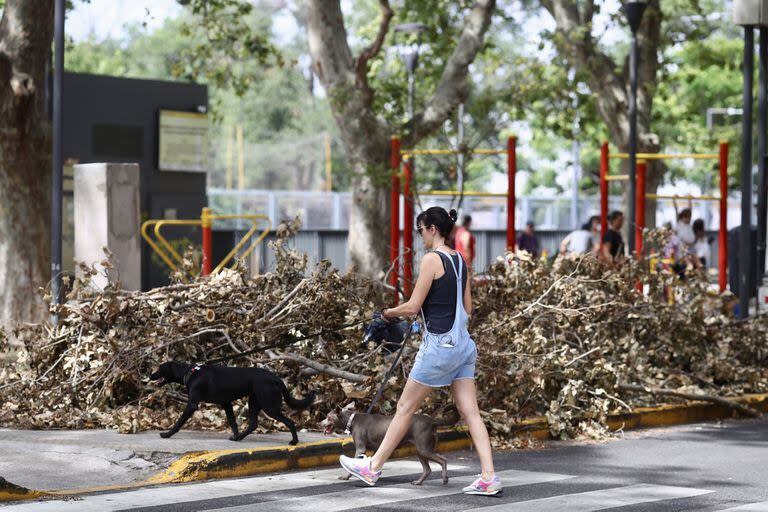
x=207, y=225
x=408, y=227
x=603, y=192
x=394, y=225
x=511, y=172
x=722, y=256
x=640, y=207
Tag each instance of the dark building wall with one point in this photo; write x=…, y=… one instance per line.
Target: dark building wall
x=110, y=119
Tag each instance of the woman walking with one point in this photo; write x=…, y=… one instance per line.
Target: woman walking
x=447, y=354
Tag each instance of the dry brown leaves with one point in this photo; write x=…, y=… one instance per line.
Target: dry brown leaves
x=554, y=341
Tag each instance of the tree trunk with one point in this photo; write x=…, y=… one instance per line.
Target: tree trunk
x=26, y=31
x=364, y=134
x=612, y=86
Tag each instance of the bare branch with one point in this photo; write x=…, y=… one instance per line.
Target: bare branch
x=369, y=52
x=320, y=367
x=744, y=409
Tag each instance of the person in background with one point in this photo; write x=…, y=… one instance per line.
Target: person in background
x=613, y=243
x=527, y=240
x=464, y=240
x=683, y=227
x=582, y=240
x=701, y=246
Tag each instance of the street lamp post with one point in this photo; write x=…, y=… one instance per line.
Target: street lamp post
x=634, y=13
x=410, y=55
x=58, y=155
x=750, y=14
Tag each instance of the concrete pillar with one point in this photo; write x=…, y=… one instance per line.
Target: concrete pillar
x=107, y=215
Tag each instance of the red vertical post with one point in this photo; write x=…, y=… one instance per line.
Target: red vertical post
x=640, y=207
x=408, y=227
x=207, y=224
x=394, y=225
x=604, y=163
x=722, y=252
x=511, y=172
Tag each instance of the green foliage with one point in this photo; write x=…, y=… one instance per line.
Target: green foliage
x=699, y=75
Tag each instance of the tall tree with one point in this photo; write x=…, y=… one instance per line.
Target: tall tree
x=26, y=32
x=364, y=131
x=607, y=74
x=608, y=79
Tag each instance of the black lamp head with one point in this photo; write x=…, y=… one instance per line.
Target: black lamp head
x=634, y=13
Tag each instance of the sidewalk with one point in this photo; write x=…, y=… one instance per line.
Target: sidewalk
x=72, y=459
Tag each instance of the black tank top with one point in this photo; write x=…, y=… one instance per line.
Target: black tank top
x=440, y=305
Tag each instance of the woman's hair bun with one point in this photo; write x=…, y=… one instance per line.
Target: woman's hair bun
x=454, y=215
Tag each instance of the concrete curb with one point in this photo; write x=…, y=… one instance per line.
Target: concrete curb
x=196, y=466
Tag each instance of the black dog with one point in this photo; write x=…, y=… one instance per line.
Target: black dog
x=390, y=333
x=223, y=384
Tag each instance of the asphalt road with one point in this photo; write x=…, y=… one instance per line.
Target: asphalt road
x=706, y=467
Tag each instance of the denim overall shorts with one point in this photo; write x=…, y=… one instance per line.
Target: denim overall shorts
x=443, y=358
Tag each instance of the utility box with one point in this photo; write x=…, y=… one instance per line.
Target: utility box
x=750, y=12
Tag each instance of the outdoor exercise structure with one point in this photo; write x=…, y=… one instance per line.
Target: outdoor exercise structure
x=171, y=257
x=404, y=158
x=641, y=196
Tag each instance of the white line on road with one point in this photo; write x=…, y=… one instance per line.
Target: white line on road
x=357, y=496
x=598, y=500
x=751, y=507
x=168, y=494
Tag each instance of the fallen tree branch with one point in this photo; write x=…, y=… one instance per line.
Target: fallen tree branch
x=749, y=411
x=320, y=367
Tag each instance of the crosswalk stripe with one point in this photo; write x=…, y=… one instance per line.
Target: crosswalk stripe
x=598, y=500
x=751, y=507
x=357, y=496
x=210, y=490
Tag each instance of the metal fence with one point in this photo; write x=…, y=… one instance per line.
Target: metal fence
x=330, y=210
x=490, y=245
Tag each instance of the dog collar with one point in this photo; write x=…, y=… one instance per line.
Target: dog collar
x=191, y=372
x=349, y=424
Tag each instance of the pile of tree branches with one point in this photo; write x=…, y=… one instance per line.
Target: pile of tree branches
x=573, y=340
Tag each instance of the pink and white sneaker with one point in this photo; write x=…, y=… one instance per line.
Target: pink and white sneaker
x=484, y=487
x=360, y=468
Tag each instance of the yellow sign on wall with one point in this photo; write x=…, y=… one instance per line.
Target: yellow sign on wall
x=183, y=144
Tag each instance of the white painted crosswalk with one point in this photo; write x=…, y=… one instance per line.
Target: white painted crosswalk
x=322, y=491
x=599, y=500
x=752, y=507
x=372, y=496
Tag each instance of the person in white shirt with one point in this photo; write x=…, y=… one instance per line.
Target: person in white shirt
x=582, y=240
x=701, y=247
x=683, y=227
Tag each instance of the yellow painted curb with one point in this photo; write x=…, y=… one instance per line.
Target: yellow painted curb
x=196, y=466
x=13, y=492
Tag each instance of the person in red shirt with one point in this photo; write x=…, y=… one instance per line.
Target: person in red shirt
x=465, y=240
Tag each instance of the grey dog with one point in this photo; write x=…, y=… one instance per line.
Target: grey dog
x=368, y=431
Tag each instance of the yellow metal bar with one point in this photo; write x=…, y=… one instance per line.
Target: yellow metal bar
x=154, y=246
x=617, y=177
x=328, y=178
x=489, y=151
x=160, y=223
x=230, y=150
x=662, y=156
x=233, y=252
x=240, y=159
x=411, y=152
x=692, y=198
x=466, y=193
x=480, y=151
